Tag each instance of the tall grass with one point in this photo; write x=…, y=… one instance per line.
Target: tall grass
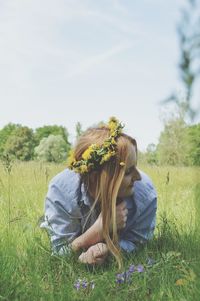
x=29, y=272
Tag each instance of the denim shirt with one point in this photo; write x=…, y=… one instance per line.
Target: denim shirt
x=68, y=204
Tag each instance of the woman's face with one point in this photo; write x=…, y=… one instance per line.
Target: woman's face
x=131, y=174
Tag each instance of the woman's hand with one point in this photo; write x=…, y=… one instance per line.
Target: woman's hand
x=121, y=215
x=96, y=254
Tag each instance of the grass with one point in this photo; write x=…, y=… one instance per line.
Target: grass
x=29, y=272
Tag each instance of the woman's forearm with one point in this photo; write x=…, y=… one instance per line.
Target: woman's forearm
x=92, y=236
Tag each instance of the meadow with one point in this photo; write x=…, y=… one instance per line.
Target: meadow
x=167, y=268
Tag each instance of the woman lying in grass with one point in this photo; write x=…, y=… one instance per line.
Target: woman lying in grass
x=101, y=203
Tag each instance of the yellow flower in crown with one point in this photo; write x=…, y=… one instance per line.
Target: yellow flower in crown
x=115, y=127
x=113, y=141
x=112, y=125
x=83, y=169
x=88, y=152
x=107, y=156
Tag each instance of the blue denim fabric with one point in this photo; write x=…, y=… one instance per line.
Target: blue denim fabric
x=67, y=206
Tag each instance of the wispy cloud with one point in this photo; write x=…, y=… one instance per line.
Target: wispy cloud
x=87, y=64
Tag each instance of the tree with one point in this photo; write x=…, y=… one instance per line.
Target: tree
x=5, y=132
x=46, y=130
x=52, y=149
x=172, y=147
x=151, y=154
x=20, y=144
x=193, y=133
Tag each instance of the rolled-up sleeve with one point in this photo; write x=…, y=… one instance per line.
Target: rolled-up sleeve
x=61, y=225
x=140, y=227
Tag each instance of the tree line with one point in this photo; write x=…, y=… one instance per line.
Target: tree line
x=47, y=143
x=179, y=143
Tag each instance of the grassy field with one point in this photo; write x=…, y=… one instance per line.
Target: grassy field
x=171, y=261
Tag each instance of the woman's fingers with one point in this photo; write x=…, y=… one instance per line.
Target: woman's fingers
x=122, y=205
x=121, y=213
x=86, y=257
x=101, y=249
x=90, y=259
x=125, y=211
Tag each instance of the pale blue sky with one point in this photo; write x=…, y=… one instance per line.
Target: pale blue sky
x=63, y=61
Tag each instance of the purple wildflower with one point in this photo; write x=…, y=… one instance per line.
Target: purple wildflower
x=77, y=284
x=120, y=278
x=84, y=284
x=140, y=268
x=123, y=277
x=131, y=268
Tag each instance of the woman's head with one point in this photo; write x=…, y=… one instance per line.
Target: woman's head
x=120, y=168
x=110, y=181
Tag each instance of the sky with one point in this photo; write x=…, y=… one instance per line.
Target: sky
x=64, y=61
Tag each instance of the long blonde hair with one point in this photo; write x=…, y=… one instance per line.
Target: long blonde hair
x=107, y=180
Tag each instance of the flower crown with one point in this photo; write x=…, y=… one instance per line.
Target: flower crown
x=95, y=155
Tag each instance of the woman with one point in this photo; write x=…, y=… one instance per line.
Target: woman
x=101, y=203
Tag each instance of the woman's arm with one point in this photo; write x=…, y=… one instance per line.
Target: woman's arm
x=91, y=237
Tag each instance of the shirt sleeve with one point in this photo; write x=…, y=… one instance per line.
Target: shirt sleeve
x=61, y=225
x=141, y=227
